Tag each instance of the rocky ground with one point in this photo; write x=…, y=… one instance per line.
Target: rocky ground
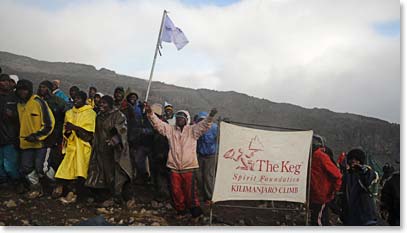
x=143, y=210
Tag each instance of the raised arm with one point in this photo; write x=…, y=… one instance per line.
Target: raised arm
x=161, y=127
x=204, y=125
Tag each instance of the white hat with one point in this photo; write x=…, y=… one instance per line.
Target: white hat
x=14, y=77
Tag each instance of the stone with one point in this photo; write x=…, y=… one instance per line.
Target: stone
x=90, y=200
x=154, y=204
x=131, y=204
x=142, y=211
x=135, y=212
x=2, y=224
x=168, y=206
x=73, y=221
x=102, y=211
x=141, y=224
x=10, y=204
x=121, y=222
x=108, y=203
x=131, y=220
x=156, y=224
x=25, y=222
x=241, y=222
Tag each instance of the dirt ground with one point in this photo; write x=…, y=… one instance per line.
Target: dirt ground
x=143, y=210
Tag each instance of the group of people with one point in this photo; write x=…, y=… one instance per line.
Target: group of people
x=101, y=145
x=104, y=146
x=348, y=187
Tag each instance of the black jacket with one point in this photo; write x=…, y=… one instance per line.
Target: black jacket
x=358, y=203
x=9, y=126
x=390, y=199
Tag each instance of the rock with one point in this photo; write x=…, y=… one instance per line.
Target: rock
x=131, y=204
x=135, y=212
x=121, y=222
x=155, y=212
x=142, y=211
x=154, y=204
x=108, y=203
x=141, y=224
x=73, y=221
x=131, y=220
x=111, y=220
x=90, y=200
x=241, y=222
x=102, y=211
x=2, y=224
x=21, y=200
x=278, y=223
x=168, y=206
x=25, y=222
x=156, y=224
x=10, y=204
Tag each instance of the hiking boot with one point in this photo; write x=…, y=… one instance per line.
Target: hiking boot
x=57, y=192
x=69, y=198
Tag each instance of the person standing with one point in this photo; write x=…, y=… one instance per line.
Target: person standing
x=91, y=96
x=358, y=201
x=58, y=92
x=182, y=159
x=390, y=200
x=36, y=124
x=169, y=113
x=54, y=140
x=140, y=136
x=78, y=133
x=326, y=180
x=207, y=147
x=110, y=165
x=9, y=131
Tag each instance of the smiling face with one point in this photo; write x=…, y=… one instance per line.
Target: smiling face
x=104, y=106
x=132, y=99
x=78, y=102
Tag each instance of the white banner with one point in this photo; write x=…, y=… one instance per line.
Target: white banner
x=258, y=164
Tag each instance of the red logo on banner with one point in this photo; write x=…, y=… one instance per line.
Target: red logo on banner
x=244, y=156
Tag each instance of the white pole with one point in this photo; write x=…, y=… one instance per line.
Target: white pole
x=155, y=55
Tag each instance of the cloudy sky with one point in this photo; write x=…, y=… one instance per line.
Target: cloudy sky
x=341, y=55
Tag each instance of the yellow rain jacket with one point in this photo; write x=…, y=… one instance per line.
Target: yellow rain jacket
x=35, y=118
x=77, y=152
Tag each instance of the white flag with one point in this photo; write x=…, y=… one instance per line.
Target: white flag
x=171, y=33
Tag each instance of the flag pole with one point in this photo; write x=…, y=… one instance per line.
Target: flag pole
x=155, y=55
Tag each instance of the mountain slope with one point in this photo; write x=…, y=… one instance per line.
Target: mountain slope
x=343, y=131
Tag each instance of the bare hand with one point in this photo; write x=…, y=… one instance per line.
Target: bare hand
x=147, y=108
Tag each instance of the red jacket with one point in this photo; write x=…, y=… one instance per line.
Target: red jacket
x=326, y=178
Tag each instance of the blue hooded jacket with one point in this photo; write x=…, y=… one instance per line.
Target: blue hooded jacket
x=207, y=143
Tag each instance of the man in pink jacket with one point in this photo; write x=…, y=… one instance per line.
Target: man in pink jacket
x=182, y=158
